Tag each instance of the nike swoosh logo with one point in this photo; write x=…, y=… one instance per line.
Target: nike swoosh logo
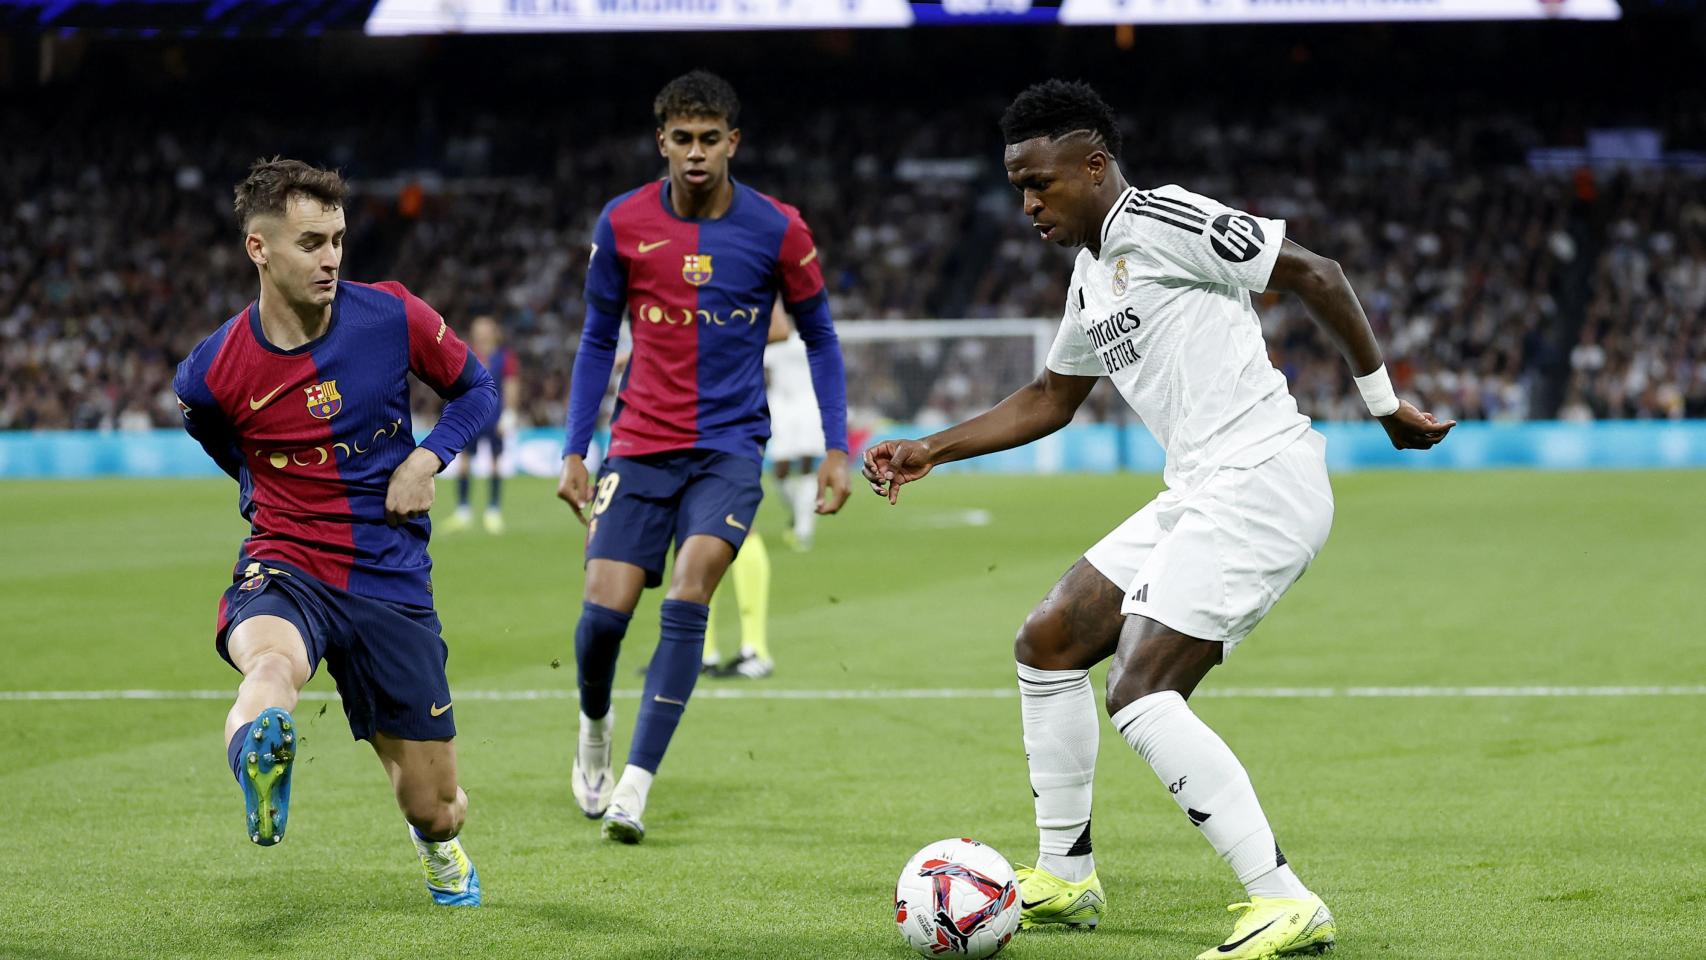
x=437, y=710
x=649, y=247
x=660, y=698
x=1033, y=904
x=257, y=404
x=1229, y=947
x=731, y=521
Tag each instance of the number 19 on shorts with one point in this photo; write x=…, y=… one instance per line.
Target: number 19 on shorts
x=606, y=490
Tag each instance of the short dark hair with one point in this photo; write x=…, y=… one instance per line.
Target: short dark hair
x=1055, y=108
x=271, y=183
x=699, y=93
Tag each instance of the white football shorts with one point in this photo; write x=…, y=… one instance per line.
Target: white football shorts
x=1210, y=562
x=795, y=433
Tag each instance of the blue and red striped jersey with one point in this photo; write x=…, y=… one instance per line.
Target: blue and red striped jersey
x=313, y=434
x=698, y=294
x=503, y=365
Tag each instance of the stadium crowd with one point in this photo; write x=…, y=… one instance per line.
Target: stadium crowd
x=1498, y=291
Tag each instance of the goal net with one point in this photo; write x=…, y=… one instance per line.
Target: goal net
x=936, y=372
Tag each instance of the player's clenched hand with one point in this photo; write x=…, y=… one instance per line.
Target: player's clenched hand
x=1412, y=429
x=411, y=490
x=832, y=481
x=574, y=487
x=894, y=462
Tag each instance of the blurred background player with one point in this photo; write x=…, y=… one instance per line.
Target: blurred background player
x=697, y=261
x=299, y=399
x=485, y=338
x=1159, y=303
x=796, y=429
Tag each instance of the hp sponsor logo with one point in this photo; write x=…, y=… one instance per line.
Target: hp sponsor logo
x=1236, y=236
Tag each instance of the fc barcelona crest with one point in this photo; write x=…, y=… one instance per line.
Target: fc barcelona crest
x=324, y=399
x=1120, y=278
x=697, y=269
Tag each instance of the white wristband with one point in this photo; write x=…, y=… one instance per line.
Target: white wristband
x=1377, y=392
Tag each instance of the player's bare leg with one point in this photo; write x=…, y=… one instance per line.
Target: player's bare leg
x=1153, y=671
x=613, y=589
x=260, y=735
x=423, y=776
x=700, y=564
x=1076, y=626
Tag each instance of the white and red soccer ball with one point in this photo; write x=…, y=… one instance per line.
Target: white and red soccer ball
x=957, y=898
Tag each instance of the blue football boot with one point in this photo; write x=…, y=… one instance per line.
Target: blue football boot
x=450, y=875
x=267, y=755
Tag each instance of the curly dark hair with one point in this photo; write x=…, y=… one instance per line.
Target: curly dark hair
x=1055, y=108
x=271, y=183
x=699, y=93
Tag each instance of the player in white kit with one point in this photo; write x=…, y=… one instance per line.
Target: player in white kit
x=796, y=431
x=1160, y=303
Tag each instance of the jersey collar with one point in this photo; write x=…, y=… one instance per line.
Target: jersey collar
x=669, y=208
x=1114, y=211
x=265, y=344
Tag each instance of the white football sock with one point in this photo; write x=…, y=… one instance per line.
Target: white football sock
x=1061, y=729
x=801, y=491
x=1210, y=785
x=595, y=740
x=631, y=790
x=1278, y=882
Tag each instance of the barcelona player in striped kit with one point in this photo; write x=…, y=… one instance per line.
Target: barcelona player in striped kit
x=697, y=260
x=486, y=338
x=303, y=398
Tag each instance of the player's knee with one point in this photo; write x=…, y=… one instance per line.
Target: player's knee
x=277, y=666
x=693, y=585
x=1042, y=642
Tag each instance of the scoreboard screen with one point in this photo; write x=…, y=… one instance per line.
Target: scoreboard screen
x=413, y=17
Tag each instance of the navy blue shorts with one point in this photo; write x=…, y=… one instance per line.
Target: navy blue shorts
x=643, y=504
x=387, y=658
x=493, y=439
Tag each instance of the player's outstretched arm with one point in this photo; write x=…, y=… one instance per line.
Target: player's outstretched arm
x=1322, y=286
x=1030, y=413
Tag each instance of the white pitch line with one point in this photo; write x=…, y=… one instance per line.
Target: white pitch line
x=998, y=693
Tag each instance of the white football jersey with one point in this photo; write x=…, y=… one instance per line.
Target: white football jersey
x=796, y=424
x=1165, y=313
x=790, y=385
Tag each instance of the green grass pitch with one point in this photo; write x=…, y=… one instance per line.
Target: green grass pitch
x=1436, y=827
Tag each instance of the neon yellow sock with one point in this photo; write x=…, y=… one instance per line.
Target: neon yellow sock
x=751, y=575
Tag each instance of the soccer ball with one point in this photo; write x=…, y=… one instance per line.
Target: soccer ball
x=957, y=898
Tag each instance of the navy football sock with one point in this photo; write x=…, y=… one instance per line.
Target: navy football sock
x=669, y=681
x=598, y=638
x=463, y=482
x=234, y=749
x=497, y=488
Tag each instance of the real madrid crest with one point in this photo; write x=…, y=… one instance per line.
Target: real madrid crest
x=1119, y=277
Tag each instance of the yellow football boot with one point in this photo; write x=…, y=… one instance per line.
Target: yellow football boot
x=1276, y=927
x=1046, y=899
